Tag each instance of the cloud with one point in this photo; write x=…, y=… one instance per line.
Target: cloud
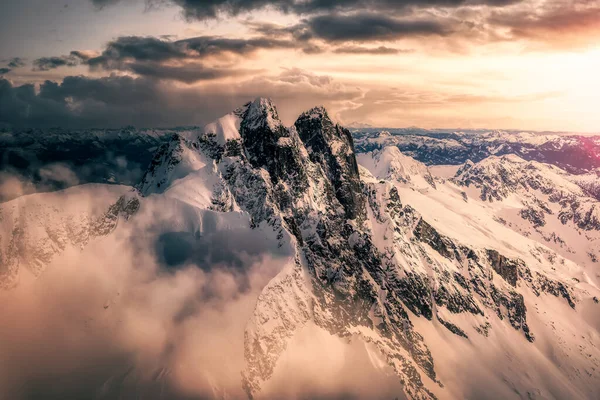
x=80, y=101
x=188, y=73
x=100, y=4
x=48, y=63
x=382, y=50
x=211, y=9
x=112, y=322
x=368, y=26
x=116, y=101
x=59, y=173
x=340, y=33
x=138, y=48
x=12, y=185
x=115, y=320
x=16, y=62
x=557, y=24
x=186, y=60
x=413, y=106
x=117, y=156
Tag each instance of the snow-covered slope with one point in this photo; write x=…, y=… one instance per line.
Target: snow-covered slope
x=589, y=182
x=35, y=228
x=539, y=201
x=423, y=273
x=390, y=164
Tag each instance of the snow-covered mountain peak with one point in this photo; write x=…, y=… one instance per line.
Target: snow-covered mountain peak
x=390, y=163
x=332, y=147
x=225, y=128
x=320, y=133
x=261, y=113
x=318, y=112
x=537, y=198
x=499, y=176
x=172, y=161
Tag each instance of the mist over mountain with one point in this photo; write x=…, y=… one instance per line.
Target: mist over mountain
x=251, y=259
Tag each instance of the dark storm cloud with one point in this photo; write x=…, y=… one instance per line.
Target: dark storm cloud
x=336, y=29
x=155, y=49
x=207, y=45
x=80, y=101
x=116, y=101
x=103, y=3
x=382, y=50
x=188, y=73
x=179, y=60
x=48, y=63
x=138, y=48
x=210, y=9
x=558, y=23
x=299, y=32
x=81, y=55
x=371, y=26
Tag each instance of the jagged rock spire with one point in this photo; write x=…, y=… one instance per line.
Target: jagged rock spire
x=270, y=145
x=261, y=113
x=331, y=146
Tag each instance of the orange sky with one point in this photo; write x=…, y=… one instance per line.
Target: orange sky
x=528, y=64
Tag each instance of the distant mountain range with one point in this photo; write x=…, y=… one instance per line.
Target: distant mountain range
x=576, y=154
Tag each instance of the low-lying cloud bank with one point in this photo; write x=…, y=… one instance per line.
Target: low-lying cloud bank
x=117, y=101
x=123, y=318
x=114, y=320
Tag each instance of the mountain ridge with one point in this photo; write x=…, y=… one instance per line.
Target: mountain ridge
x=380, y=250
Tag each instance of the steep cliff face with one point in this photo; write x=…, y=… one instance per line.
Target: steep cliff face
x=315, y=194
x=331, y=146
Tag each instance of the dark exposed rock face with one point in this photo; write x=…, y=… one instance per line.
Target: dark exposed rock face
x=516, y=312
x=541, y=284
x=167, y=157
x=345, y=268
x=427, y=234
x=534, y=216
x=506, y=268
x=124, y=207
x=331, y=146
x=270, y=145
x=471, y=290
x=453, y=328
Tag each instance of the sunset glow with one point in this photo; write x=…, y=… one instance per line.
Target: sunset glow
x=527, y=65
